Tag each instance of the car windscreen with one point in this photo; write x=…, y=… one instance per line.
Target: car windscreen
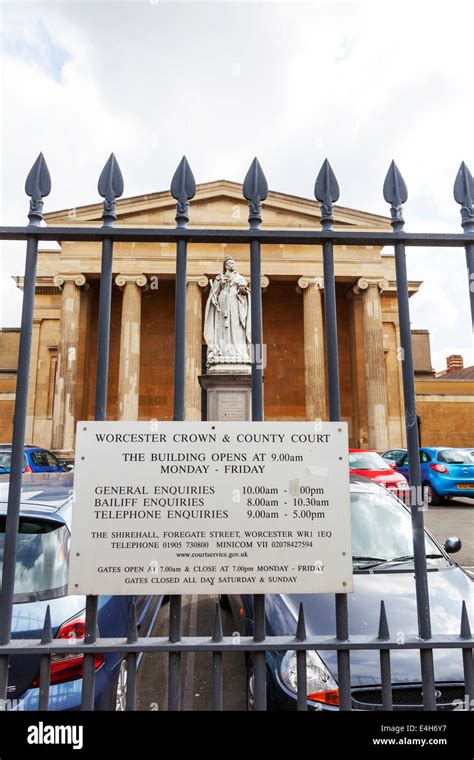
x=367, y=460
x=454, y=456
x=381, y=529
x=41, y=569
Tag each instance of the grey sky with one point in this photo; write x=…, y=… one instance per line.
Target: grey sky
x=360, y=83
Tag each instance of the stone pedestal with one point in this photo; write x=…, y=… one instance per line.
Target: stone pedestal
x=229, y=396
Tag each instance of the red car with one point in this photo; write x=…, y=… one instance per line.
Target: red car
x=371, y=465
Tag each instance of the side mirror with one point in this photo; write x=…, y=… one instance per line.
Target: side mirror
x=398, y=463
x=452, y=545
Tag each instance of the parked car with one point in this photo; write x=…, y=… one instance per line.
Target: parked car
x=41, y=580
x=36, y=459
x=393, y=455
x=382, y=549
x=445, y=472
x=371, y=465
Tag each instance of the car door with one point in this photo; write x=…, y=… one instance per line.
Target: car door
x=425, y=459
x=402, y=465
x=44, y=461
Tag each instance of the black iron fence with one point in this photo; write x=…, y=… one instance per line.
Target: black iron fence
x=255, y=190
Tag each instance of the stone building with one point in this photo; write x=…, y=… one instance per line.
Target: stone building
x=444, y=400
x=63, y=365
x=9, y=342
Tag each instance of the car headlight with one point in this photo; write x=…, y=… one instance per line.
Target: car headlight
x=402, y=485
x=321, y=686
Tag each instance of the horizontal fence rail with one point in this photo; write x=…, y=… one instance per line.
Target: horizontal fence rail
x=201, y=235
x=255, y=190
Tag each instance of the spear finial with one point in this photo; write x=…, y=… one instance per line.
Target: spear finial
x=37, y=186
x=183, y=188
x=47, y=634
x=301, y=625
x=465, y=626
x=110, y=187
x=326, y=191
x=464, y=194
x=255, y=190
x=395, y=192
x=384, y=632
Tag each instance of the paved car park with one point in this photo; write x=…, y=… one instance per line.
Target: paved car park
x=455, y=518
x=196, y=675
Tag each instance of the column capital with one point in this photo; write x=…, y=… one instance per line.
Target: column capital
x=305, y=281
x=197, y=279
x=77, y=278
x=137, y=279
x=363, y=283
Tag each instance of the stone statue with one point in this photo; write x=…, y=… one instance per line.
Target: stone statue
x=227, y=321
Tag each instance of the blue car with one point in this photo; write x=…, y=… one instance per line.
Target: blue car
x=41, y=580
x=35, y=458
x=382, y=549
x=445, y=472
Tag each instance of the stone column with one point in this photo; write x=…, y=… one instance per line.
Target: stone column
x=194, y=345
x=375, y=380
x=30, y=414
x=314, y=380
x=65, y=394
x=129, y=363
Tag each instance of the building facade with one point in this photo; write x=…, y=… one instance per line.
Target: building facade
x=64, y=348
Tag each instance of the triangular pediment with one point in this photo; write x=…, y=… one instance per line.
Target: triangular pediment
x=218, y=204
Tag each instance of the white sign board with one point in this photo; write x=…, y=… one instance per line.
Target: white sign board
x=211, y=507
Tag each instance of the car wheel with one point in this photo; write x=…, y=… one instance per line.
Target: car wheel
x=121, y=688
x=432, y=497
x=224, y=602
x=250, y=687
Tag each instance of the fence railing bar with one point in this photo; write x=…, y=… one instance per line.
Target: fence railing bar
x=255, y=190
x=326, y=191
x=259, y=657
x=467, y=658
x=395, y=193
x=182, y=189
x=88, y=668
x=38, y=185
x=131, y=685
x=45, y=664
x=301, y=675
x=385, y=667
x=217, y=236
x=356, y=642
x=464, y=195
x=217, y=636
x=174, y=660
x=110, y=187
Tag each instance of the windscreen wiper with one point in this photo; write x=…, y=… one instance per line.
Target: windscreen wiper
x=409, y=557
x=373, y=560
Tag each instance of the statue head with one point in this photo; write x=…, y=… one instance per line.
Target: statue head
x=228, y=265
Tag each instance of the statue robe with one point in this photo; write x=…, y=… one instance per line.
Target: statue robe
x=227, y=320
